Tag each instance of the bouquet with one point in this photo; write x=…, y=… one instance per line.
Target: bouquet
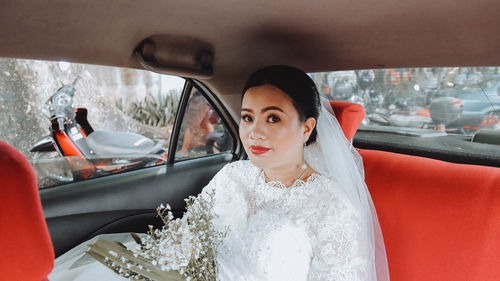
x=183, y=249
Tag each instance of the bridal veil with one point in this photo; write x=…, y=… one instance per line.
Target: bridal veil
x=333, y=155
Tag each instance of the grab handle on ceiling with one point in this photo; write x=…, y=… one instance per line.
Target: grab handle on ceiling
x=181, y=56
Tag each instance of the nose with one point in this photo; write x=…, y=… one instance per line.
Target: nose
x=257, y=132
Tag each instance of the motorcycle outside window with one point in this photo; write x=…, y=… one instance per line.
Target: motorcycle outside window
x=77, y=121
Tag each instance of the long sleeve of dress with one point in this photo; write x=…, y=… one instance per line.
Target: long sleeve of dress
x=228, y=204
x=340, y=251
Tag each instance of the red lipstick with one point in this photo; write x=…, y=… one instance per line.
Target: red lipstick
x=258, y=150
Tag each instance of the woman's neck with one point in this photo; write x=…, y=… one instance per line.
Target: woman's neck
x=286, y=174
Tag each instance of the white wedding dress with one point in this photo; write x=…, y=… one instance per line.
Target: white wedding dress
x=308, y=231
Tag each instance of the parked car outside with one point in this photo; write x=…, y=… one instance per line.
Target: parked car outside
x=480, y=101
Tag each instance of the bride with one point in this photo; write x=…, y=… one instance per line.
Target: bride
x=298, y=209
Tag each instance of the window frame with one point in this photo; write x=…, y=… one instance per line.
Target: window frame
x=219, y=108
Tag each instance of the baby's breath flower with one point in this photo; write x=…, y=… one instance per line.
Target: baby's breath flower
x=187, y=245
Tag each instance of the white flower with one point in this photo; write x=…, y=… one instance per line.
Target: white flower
x=186, y=245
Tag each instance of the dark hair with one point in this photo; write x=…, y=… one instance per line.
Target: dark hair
x=296, y=84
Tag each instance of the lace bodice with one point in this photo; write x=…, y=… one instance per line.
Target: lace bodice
x=308, y=231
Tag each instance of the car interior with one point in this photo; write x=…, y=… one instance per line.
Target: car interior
x=437, y=199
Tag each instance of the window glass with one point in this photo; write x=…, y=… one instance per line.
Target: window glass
x=77, y=121
x=455, y=100
x=202, y=130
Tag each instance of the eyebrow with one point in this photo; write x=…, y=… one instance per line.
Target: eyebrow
x=264, y=109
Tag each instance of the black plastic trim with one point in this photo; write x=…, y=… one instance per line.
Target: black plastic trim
x=179, y=116
x=450, y=148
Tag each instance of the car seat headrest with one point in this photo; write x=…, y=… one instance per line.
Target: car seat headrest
x=350, y=115
x=27, y=252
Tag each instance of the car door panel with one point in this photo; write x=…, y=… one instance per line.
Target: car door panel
x=123, y=202
x=70, y=230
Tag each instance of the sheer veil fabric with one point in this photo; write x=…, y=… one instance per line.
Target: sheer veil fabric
x=333, y=155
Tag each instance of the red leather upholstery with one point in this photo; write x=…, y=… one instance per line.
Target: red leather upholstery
x=350, y=115
x=440, y=221
x=26, y=251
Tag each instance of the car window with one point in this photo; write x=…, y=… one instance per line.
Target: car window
x=76, y=121
x=202, y=131
x=453, y=100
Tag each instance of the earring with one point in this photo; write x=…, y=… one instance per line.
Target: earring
x=304, y=166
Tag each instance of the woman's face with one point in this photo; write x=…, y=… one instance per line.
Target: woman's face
x=270, y=128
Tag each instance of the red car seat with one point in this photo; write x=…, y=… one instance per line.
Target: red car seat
x=26, y=251
x=350, y=115
x=440, y=220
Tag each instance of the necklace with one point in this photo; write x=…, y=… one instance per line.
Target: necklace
x=302, y=174
x=304, y=168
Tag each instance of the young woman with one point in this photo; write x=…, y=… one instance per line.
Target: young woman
x=298, y=209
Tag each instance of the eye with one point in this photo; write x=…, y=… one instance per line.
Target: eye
x=273, y=119
x=246, y=118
